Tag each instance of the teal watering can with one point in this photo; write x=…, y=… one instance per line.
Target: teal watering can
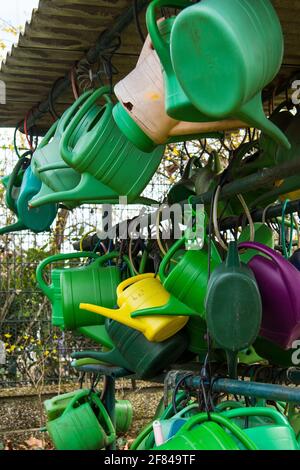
x=17, y=199
x=233, y=307
x=92, y=283
x=228, y=51
x=274, y=434
x=84, y=425
x=105, y=153
x=209, y=433
x=135, y=353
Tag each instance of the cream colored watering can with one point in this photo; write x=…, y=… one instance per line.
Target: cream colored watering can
x=141, y=114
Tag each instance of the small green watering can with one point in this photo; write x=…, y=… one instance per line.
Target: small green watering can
x=55, y=407
x=92, y=283
x=187, y=282
x=84, y=425
x=203, y=433
x=278, y=435
x=20, y=187
x=233, y=307
x=135, y=353
x=294, y=420
x=228, y=51
x=106, y=154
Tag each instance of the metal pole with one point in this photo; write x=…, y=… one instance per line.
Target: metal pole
x=103, y=42
x=250, y=389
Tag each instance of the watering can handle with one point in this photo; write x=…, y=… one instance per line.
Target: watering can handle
x=111, y=436
x=46, y=139
x=267, y=251
x=222, y=421
x=128, y=282
x=11, y=183
x=162, y=48
x=92, y=98
x=67, y=117
x=81, y=394
x=185, y=410
x=257, y=411
x=47, y=289
x=167, y=258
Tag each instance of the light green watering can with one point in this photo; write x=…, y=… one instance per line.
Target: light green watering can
x=60, y=182
x=55, y=407
x=84, y=425
x=92, y=283
x=274, y=434
x=214, y=433
x=262, y=234
x=227, y=51
x=106, y=154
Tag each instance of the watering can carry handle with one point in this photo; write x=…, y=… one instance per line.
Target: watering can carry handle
x=47, y=289
x=257, y=411
x=67, y=117
x=128, y=282
x=12, y=181
x=114, y=254
x=167, y=258
x=162, y=48
x=92, y=98
x=111, y=436
x=46, y=139
x=222, y=421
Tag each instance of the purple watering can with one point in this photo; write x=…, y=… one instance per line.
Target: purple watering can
x=279, y=285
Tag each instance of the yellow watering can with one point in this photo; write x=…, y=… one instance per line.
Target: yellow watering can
x=143, y=292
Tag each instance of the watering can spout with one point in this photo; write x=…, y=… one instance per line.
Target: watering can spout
x=13, y=228
x=253, y=113
x=233, y=259
x=113, y=314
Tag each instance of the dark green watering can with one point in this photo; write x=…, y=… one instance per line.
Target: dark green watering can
x=21, y=186
x=96, y=333
x=187, y=282
x=233, y=307
x=106, y=154
x=69, y=287
x=84, y=425
x=135, y=353
x=229, y=52
x=209, y=433
x=277, y=435
x=185, y=187
x=55, y=407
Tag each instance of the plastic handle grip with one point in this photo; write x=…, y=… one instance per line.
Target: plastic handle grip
x=128, y=282
x=257, y=411
x=167, y=258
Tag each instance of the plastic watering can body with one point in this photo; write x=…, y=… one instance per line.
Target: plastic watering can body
x=274, y=434
x=134, y=352
x=230, y=51
x=84, y=425
x=136, y=294
x=278, y=282
x=106, y=154
x=233, y=306
x=141, y=114
x=188, y=279
x=96, y=333
x=39, y=219
x=69, y=285
x=200, y=433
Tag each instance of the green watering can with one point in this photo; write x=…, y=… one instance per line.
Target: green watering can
x=203, y=433
x=228, y=52
x=273, y=353
x=294, y=420
x=233, y=307
x=55, y=407
x=185, y=187
x=135, y=353
x=276, y=436
x=106, y=154
x=187, y=282
x=21, y=185
x=84, y=425
x=92, y=283
x=263, y=234
x=96, y=333
x=60, y=182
